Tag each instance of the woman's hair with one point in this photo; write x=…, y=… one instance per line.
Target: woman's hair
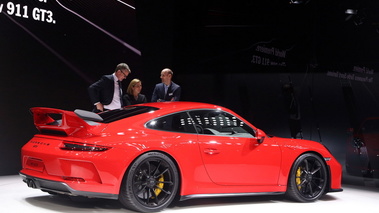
x=131, y=85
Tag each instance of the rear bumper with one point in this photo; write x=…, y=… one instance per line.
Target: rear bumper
x=61, y=188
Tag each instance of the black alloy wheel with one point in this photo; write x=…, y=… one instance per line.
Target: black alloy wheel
x=308, y=178
x=150, y=184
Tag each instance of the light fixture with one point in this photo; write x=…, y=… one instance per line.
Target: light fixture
x=299, y=1
x=295, y=2
x=351, y=11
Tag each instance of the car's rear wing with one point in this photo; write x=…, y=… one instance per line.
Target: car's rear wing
x=65, y=123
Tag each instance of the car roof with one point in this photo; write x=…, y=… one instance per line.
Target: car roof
x=175, y=106
x=159, y=109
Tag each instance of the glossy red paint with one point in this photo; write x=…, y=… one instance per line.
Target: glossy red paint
x=207, y=164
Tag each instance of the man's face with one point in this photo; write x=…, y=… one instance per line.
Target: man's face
x=122, y=74
x=166, y=77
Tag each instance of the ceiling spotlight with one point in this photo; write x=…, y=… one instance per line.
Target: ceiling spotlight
x=357, y=16
x=351, y=11
x=299, y=1
x=295, y=2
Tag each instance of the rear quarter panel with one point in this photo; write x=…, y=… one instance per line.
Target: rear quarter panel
x=183, y=148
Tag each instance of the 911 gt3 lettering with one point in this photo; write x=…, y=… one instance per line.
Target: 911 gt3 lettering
x=23, y=11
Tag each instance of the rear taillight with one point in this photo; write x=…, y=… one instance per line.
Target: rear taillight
x=84, y=147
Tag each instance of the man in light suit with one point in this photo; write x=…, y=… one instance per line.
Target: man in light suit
x=106, y=93
x=167, y=90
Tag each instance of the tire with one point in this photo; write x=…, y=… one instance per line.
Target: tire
x=150, y=184
x=308, y=179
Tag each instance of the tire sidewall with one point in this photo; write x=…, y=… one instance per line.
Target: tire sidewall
x=127, y=196
x=292, y=191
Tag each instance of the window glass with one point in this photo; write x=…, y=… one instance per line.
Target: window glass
x=178, y=122
x=118, y=114
x=217, y=122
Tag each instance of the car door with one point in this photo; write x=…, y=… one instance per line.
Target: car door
x=231, y=153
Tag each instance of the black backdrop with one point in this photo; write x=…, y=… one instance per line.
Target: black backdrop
x=305, y=65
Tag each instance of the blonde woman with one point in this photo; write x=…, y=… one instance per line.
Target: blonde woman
x=133, y=93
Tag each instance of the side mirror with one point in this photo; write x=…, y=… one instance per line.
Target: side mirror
x=260, y=135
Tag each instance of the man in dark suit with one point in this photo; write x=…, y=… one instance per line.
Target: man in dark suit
x=106, y=93
x=167, y=90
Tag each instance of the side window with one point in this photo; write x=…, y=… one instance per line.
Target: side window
x=216, y=122
x=178, y=122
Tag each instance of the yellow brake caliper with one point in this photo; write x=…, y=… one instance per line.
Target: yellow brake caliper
x=160, y=185
x=298, y=179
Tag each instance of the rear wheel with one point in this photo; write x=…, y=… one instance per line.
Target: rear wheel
x=308, y=178
x=150, y=184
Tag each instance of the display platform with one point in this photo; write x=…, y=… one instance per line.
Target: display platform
x=15, y=196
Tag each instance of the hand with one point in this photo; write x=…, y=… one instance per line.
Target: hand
x=100, y=107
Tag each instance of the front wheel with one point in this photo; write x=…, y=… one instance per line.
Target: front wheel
x=150, y=184
x=308, y=178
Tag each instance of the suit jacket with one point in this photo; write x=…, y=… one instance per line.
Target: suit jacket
x=129, y=99
x=173, y=91
x=102, y=90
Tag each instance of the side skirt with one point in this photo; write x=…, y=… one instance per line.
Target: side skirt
x=187, y=197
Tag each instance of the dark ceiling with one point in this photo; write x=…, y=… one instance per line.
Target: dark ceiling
x=321, y=31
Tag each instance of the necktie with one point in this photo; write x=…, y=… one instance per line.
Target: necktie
x=165, y=92
x=120, y=92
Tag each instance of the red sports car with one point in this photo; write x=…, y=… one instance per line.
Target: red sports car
x=148, y=155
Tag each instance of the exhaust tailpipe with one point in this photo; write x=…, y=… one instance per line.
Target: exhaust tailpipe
x=31, y=183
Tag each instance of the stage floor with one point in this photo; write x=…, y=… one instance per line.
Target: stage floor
x=15, y=196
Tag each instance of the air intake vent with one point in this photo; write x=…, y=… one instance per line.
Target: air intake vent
x=53, y=132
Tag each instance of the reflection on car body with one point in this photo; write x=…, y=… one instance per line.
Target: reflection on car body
x=147, y=155
x=362, y=157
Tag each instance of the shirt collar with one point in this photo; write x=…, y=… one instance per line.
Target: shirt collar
x=115, y=79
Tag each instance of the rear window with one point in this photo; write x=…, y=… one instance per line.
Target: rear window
x=126, y=112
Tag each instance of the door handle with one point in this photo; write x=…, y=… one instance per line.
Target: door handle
x=211, y=151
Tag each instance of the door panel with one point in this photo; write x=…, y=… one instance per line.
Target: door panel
x=231, y=152
x=240, y=161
